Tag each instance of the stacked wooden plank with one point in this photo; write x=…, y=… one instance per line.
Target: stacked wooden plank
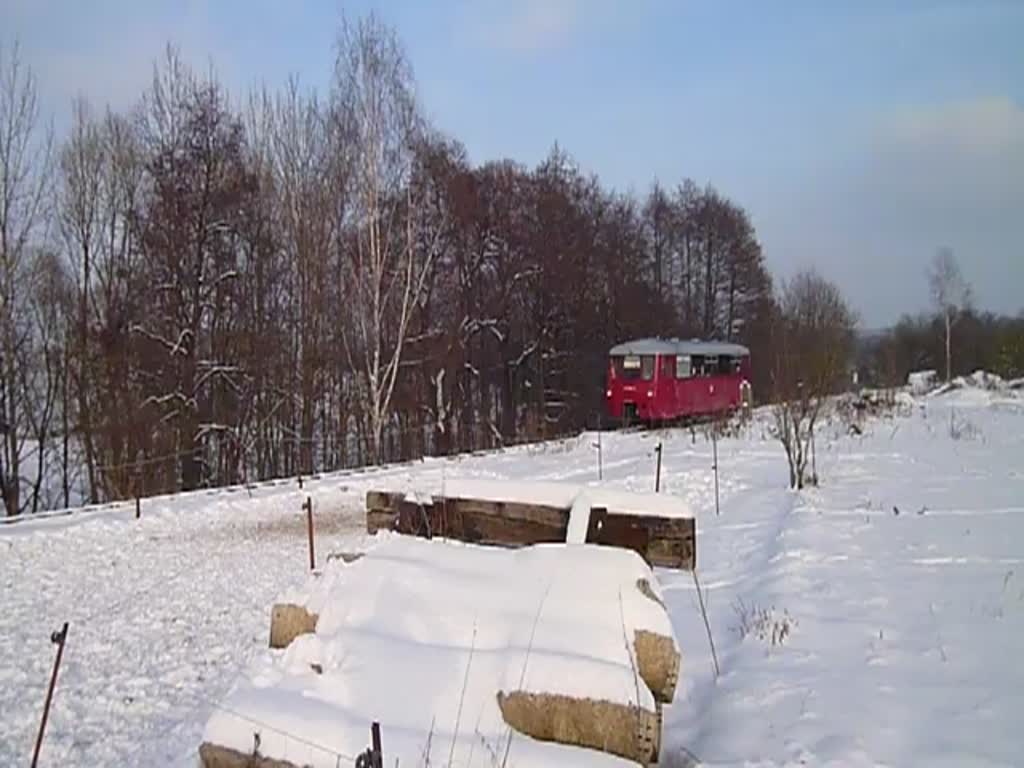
x=569, y=645
x=659, y=528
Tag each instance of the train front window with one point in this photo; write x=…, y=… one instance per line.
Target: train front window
x=631, y=367
x=726, y=365
x=683, y=368
x=628, y=367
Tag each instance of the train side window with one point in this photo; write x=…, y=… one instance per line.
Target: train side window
x=647, y=367
x=683, y=367
x=710, y=365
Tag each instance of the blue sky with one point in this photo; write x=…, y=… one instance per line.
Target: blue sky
x=861, y=136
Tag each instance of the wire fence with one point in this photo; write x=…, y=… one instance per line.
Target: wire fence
x=99, y=619
x=288, y=457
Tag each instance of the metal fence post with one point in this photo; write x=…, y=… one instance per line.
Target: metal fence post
x=657, y=474
x=58, y=638
x=308, y=506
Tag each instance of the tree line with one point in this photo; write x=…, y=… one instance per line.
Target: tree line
x=197, y=293
x=955, y=340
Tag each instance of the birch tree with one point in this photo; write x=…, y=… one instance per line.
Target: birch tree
x=309, y=171
x=384, y=273
x=951, y=295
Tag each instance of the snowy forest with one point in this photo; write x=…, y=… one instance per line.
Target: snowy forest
x=206, y=290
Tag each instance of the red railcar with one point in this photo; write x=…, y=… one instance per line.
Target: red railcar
x=668, y=379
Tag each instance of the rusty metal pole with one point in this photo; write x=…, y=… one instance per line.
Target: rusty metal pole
x=309, y=525
x=714, y=466
x=58, y=638
x=657, y=475
x=378, y=754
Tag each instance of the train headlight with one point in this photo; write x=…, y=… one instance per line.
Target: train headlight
x=608, y=393
x=650, y=393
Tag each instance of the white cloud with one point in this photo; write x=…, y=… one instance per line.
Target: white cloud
x=526, y=26
x=960, y=159
x=949, y=174
x=990, y=125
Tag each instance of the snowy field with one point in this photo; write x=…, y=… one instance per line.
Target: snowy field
x=877, y=619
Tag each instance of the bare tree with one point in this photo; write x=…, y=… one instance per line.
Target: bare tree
x=813, y=347
x=657, y=213
x=200, y=189
x=81, y=166
x=24, y=176
x=951, y=294
x=44, y=376
x=116, y=300
x=385, y=273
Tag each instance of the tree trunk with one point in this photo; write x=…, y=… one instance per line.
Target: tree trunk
x=709, y=287
x=949, y=358
x=85, y=376
x=65, y=441
x=688, y=286
x=732, y=303
x=11, y=483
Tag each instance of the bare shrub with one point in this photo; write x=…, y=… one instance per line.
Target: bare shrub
x=726, y=425
x=765, y=624
x=962, y=428
x=813, y=337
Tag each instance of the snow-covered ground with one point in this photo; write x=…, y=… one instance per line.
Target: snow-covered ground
x=899, y=631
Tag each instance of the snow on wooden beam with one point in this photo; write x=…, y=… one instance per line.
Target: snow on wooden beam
x=658, y=527
x=532, y=640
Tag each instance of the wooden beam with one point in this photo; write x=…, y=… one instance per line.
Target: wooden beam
x=661, y=541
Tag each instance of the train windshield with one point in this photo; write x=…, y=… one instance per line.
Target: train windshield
x=634, y=367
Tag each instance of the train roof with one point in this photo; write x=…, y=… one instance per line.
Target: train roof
x=654, y=346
